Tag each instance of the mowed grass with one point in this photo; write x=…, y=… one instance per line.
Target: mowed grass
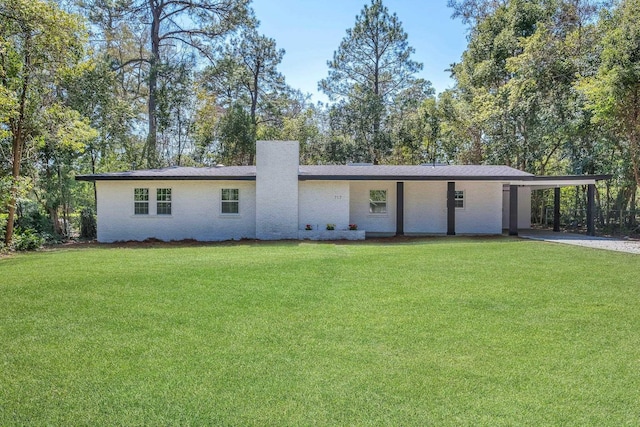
x=427, y=332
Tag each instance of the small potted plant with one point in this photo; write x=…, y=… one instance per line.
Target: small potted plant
x=353, y=226
x=331, y=226
x=308, y=227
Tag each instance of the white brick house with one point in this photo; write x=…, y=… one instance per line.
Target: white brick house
x=279, y=199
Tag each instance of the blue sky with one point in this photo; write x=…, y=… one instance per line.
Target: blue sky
x=311, y=30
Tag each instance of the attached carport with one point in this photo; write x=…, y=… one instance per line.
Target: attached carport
x=555, y=182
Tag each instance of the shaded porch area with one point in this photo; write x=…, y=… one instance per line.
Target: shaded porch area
x=555, y=183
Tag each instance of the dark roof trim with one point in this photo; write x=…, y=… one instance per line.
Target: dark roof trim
x=93, y=178
x=525, y=178
x=450, y=178
x=572, y=177
x=408, y=178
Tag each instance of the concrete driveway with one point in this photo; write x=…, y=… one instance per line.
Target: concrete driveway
x=607, y=243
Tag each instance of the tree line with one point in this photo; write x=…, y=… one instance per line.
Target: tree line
x=86, y=86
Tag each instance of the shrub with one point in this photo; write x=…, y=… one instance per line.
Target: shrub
x=3, y=224
x=30, y=217
x=3, y=230
x=51, y=238
x=88, y=227
x=27, y=240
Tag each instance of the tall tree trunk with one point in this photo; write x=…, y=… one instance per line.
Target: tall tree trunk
x=254, y=92
x=152, y=136
x=632, y=208
x=377, y=119
x=55, y=220
x=179, y=121
x=634, y=138
x=65, y=206
x=476, y=155
x=15, y=174
x=17, y=144
x=93, y=171
x=608, y=187
x=599, y=208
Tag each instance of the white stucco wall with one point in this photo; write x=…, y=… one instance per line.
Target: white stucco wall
x=322, y=203
x=425, y=207
x=277, y=190
x=195, y=211
x=359, y=207
x=482, y=212
x=524, y=207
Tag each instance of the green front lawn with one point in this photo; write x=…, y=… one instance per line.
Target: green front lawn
x=429, y=332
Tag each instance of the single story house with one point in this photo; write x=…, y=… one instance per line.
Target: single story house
x=280, y=199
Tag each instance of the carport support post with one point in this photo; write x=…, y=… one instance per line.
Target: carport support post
x=451, y=208
x=513, y=210
x=591, y=225
x=556, y=209
x=399, y=208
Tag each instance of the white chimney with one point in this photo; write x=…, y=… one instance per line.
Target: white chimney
x=277, y=164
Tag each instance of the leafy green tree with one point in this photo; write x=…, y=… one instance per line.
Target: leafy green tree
x=517, y=76
x=484, y=77
x=207, y=114
x=175, y=111
x=614, y=91
x=460, y=128
x=307, y=127
x=474, y=11
x=38, y=41
x=414, y=124
x=516, y=87
x=246, y=73
x=236, y=137
x=64, y=136
x=93, y=90
x=261, y=79
x=419, y=135
x=163, y=28
x=192, y=25
x=371, y=67
x=112, y=87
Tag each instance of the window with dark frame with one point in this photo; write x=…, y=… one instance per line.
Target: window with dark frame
x=163, y=200
x=459, y=199
x=141, y=201
x=230, y=201
x=378, y=201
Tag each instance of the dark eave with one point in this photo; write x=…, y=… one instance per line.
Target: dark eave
x=178, y=173
x=351, y=173
x=571, y=177
x=410, y=178
x=105, y=177
x=511, y=178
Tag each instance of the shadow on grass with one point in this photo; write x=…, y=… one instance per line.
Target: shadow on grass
x=189, y=243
